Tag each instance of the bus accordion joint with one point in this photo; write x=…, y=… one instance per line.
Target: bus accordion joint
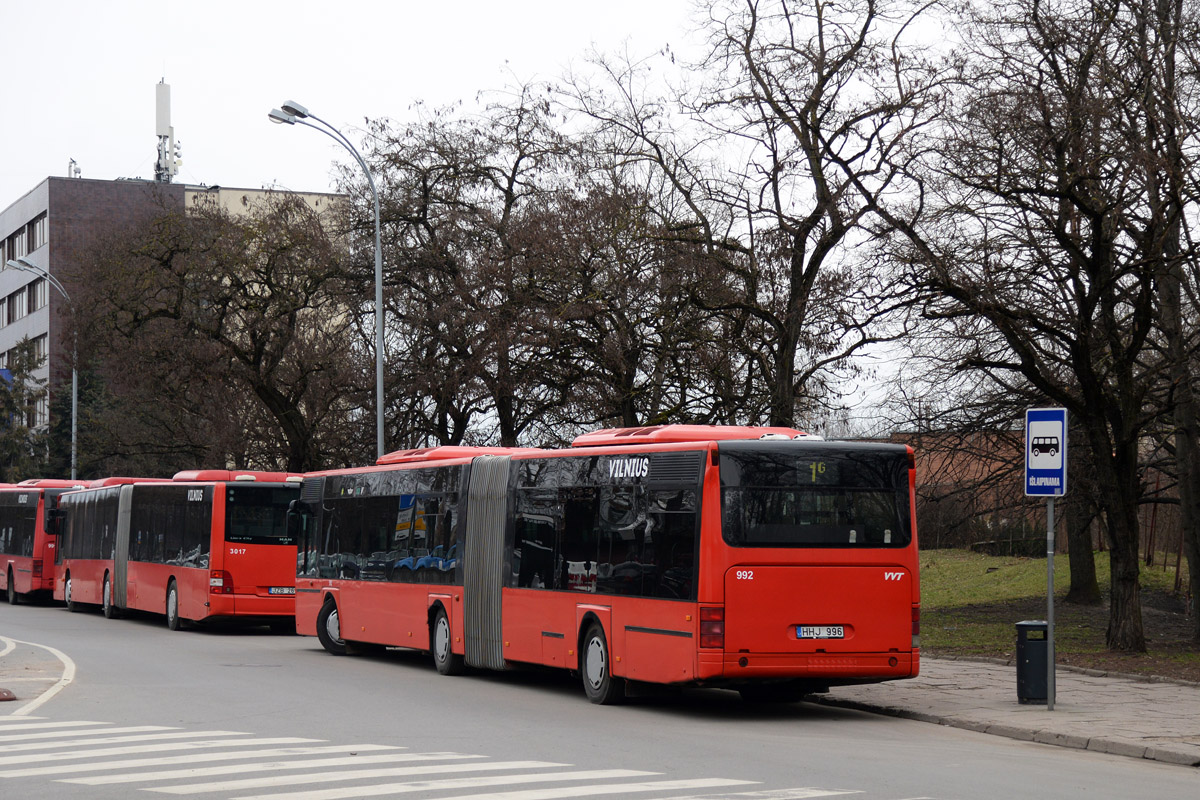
x=712, y=626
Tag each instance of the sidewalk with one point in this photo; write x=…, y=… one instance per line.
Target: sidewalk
x=1151, y=719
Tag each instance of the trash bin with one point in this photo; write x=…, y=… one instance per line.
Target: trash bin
x=1032, y=646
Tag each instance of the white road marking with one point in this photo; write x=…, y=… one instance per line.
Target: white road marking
x=192, y=758
x=612, y=788
x=142, y=737
x=148, y=748
x=64, y=681
x=453, y=783
x=346, y=775
x=800, y=793
x=31, y=725
x=267, y=766
x=24, y=737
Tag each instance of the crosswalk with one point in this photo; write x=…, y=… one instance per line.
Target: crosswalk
x=237, y=765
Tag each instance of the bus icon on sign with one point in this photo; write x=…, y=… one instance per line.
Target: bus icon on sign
x=1044, y=444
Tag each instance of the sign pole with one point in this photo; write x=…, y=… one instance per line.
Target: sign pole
x=1046, y=476
x=1050, y=604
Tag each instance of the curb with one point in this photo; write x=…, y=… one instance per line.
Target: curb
x=1096, y=744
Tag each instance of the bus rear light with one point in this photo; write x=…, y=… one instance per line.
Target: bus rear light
x=712, y=627
x=37, y=568
x=916, y=626
x=220, y=582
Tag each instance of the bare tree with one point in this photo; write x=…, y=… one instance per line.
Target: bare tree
x=1035, y=243
x=473, y=342
x=803, y=108
x=233, y=334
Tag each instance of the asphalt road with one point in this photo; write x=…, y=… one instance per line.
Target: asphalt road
x=235, y=714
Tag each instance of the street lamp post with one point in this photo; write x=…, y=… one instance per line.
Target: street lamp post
x=291, y=114
x=28, y=266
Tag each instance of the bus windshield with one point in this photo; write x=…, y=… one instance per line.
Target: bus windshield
x=258, y=515
x=781, y=494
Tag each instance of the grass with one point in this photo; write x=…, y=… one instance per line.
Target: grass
x=971, y=602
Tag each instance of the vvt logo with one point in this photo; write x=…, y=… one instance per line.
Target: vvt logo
x=893, y=576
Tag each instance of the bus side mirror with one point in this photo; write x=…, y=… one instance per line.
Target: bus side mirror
x=297, y=518
x=54, y=518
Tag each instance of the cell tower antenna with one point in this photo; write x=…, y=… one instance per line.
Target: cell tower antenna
x=167, y=165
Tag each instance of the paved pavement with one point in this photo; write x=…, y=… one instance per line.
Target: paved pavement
x=1107, y=713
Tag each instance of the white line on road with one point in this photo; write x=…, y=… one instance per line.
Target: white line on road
x=455, y=783
x=148, y=748
x=346, y=775
x=23, y=737
x=64, y=681
x=192, y=758
x=31, y=725
x=266, y=766
x=800, y=793
x=13, y=748
x=613, y=788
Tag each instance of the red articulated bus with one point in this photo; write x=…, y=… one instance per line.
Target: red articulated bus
x=755, y=559
x=207, y=544
x=26, y=544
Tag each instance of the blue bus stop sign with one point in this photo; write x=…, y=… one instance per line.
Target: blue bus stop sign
x=1046, y=452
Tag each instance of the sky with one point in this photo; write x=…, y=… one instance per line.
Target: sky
x=78, y=76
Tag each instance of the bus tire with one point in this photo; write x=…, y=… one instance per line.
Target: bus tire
x=445, y=660
x=329, y=629
x=595, y=664
x=68, y=596
x=13, y=599
x=173, y=620
x=106, y=603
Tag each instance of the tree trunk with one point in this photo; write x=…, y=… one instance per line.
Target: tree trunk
x=1085, y=589
x=1125, y=631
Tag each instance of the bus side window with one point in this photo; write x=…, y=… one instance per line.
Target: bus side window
x=535, y=550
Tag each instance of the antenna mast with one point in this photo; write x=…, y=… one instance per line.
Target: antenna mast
x=167, y=165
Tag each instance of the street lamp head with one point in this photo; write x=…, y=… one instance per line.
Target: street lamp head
x=295, y=109
x=280, y=117
x=21, y=264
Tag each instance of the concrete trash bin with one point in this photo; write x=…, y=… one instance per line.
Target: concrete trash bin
x=1032, y=646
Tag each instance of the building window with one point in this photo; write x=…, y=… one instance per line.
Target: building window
x=18, y=305
x=39, y=294
x=17, y=244
x=39, y=349
x=38, y=231
x=3, y=309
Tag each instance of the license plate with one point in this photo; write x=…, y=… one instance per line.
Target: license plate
x=820, y=632
x=281, y=590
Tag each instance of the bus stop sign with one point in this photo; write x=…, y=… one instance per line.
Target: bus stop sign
x=1046, y=452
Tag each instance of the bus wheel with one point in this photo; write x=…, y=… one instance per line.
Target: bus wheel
x=329, y=629
x=68, y=596
x=598, y=682
x=12, y=589
x=110, y=611
x=445, y=659
x=173, y=620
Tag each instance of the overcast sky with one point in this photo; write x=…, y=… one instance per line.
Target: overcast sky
x=78, y=75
